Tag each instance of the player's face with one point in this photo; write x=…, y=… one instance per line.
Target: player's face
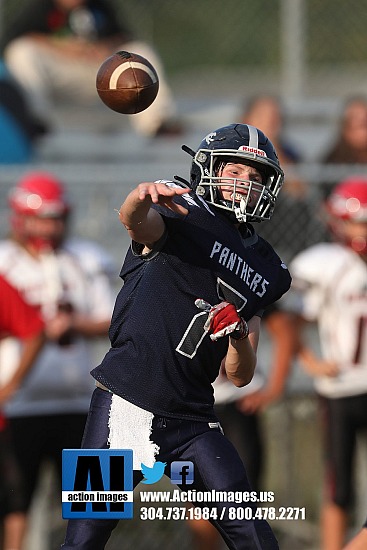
x=47, y=230
x=239, y=175
x=355, y=125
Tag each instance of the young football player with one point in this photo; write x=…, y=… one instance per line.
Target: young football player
x=196, y=280
x=17, y=318
x=331, y=280
x=67, y=280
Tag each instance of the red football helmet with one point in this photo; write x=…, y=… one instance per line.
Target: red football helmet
x=38, y=195
x=348, y=202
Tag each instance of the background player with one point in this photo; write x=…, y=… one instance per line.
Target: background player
x=18, y=319
x=67, y=280
x=330, y=279
x=196, y=279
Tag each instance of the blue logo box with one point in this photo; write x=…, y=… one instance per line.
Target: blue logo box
x=97, y=484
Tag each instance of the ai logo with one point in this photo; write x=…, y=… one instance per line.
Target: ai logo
x=182, y=473
x=97, y=484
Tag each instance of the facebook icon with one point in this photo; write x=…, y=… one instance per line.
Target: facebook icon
x=182, y=473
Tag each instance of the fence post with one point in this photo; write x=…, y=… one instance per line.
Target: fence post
x=293, y=22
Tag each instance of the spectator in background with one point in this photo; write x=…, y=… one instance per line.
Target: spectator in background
x=330, y=281
x=22, y=321
x=54, y=48
x=66, y=279
x=266, y=112
x=238, y=411
x=292, y=213
x=350, y=146
x=19, y=130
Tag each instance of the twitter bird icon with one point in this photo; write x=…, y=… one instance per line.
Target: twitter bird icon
x=153, y=474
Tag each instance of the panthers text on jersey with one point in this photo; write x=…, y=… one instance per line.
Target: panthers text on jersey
x=331, y=281
x=160, y=358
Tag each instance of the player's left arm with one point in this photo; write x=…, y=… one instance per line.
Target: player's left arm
x=89, y=324
x=30, y=350
x=75, y=323
x=282, y=330
x=23, y=321
x=240, y=361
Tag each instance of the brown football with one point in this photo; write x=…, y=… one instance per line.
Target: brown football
x=127, y=83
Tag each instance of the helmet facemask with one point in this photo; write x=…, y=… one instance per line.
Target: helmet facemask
x=238, y=144
x=250, y=200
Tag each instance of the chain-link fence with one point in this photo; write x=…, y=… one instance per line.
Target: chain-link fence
x=97, y=190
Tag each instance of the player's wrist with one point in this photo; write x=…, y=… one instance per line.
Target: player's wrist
x=242, y=331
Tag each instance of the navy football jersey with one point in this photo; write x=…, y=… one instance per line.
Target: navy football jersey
x=160, y=357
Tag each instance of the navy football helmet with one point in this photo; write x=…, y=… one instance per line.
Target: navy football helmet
x=250, y=201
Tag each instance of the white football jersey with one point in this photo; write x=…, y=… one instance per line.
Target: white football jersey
x=60, y=379
x=331, y=283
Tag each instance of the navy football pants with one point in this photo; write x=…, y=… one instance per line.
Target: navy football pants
x=217, y=466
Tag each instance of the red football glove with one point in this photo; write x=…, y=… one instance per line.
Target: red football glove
x=223, y=319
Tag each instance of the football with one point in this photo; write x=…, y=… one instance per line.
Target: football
x=127, y=83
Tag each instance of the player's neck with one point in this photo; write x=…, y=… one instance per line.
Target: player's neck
x=31, y=248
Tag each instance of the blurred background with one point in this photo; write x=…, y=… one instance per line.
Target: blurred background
x=311, y=55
